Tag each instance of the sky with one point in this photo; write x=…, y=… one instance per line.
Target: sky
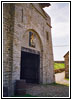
x=60, y=22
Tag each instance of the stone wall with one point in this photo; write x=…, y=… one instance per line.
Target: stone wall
x=66, y=65
x=58, y=61
x=24, y=18
x=8, y=30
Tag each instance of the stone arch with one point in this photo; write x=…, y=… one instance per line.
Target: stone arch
x=37, y=35
x=41, y=52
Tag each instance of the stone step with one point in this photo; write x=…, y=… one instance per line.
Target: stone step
x=21, y=87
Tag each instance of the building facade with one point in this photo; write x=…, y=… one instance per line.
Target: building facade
x=27, y=45
x=66, y=57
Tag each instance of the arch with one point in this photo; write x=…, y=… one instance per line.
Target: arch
x=41, y=44
x=41, y=53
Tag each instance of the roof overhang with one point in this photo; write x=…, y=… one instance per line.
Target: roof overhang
x=44, y=5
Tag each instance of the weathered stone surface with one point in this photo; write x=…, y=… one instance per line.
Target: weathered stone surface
x=66, y=57
x=19, y=20
x=20, y=87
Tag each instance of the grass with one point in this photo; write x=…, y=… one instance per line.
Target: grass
x=56, y=84
x=59, y=65
x=66, y=78
x=62, y=84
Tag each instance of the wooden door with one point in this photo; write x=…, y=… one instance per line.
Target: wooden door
x=30, y=67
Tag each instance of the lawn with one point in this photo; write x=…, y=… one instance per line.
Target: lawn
x=59, y=65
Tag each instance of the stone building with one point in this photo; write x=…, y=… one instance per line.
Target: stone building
x=27, y=44
x=66, y=58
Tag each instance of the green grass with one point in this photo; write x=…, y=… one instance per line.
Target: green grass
x=60, y=84
x=56, y=84
x=67, y=79
x=59, y=65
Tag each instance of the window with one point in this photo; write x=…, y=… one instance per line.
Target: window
x=31, y=39
x=47, y=35
x=22, y=15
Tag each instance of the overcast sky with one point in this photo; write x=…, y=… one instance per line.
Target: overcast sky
x=59, y=13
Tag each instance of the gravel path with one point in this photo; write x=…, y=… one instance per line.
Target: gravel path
x=60, y=78
x=51, y=90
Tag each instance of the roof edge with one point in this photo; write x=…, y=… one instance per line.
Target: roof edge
x=66, y=53
x=44, y=5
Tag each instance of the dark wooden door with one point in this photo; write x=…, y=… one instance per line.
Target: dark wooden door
x=30, y=67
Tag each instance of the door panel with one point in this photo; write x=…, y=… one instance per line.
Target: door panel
x=30, y=67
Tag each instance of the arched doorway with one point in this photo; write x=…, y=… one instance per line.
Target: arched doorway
x=31, y=59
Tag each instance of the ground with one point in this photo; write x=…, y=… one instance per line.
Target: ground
x=59, y=89
x=49, y=91
x=60, y=78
